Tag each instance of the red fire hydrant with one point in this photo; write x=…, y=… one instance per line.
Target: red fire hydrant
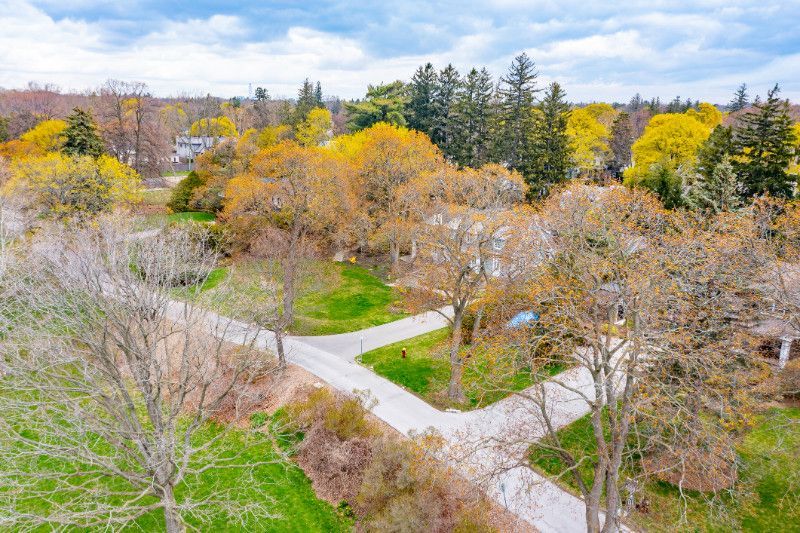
x=404, y=353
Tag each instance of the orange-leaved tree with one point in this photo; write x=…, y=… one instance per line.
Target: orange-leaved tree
x=303, y=193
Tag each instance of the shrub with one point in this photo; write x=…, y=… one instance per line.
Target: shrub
x=183, y=192
x=344, y=416
x=406, y=489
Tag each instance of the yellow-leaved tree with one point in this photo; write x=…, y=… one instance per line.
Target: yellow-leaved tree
x=707, y=114
x=61, y=186
x=48, y=135
x=316, y=128
x=303, y=195
x=670, y=140
x=389, y=161
x=213, y=127
x=589, y=137
x=272, y=135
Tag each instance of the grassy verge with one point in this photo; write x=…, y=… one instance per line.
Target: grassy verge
x=765, y=497
x=292, y=498
x=426, y=371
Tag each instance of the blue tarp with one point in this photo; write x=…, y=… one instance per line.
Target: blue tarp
x=523, y=318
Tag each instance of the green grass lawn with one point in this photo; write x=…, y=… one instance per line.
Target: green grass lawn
x=765, y=498
x=350, y=297
x=282, y=485
x=426, y=371
x=162, y=219
x=194, y=216
x=335, y=298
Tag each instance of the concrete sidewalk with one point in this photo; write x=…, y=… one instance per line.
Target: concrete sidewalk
x=349, y=345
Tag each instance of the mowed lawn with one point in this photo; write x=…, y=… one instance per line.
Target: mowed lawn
x=335, y=298
x=426, y=371
x=765, y=498
x=345, y=298
x=280, y=485
x=162, y=219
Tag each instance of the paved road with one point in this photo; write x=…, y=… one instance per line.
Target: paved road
x=349, y=345
x=485, y=440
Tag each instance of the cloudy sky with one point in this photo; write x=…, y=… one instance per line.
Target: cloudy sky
x=599, y=50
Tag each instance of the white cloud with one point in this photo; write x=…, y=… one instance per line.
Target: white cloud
x=610, y=58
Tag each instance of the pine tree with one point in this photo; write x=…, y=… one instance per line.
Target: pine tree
x=621, y=142
x=306, y=101
x=740, y=99
x=420, y=109
x=261, y=94
x=717, y=192
x=81, y=136
x=318, y=95
x=472, y=115
x=764, y=146
x=718, y=147
x=448, y=83
x=675, y=106
x=516, y=93
x=550, y=153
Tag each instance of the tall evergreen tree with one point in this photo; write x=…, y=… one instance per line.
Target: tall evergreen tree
x=516, y=94
x=621, y=142
x=740, y=99
x=318, y=95
x=764, y=144
x=443, y=125
x=306, y=101
x=717, y=148
x=420, y=110
x=472, y=115
x=383, y=103
x=80, y=135
x=550, y=152
x=261, y=94
x=718, y=191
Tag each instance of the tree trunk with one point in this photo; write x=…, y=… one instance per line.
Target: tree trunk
x=279, y=347
x=476, y=326
x=611, y=524
x=455, y=390
x=592, y=514
x=394, y=252
x=172, y=517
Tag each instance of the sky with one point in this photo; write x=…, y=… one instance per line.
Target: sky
x=598, y=50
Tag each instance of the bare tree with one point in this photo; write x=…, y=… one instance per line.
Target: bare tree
x=461, y=243
x=645, y=307
x=132, y=127
x=109, y=385
x=459, y=249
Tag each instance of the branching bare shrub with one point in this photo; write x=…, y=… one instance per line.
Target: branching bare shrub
x=110, y=387
x=406, y=489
